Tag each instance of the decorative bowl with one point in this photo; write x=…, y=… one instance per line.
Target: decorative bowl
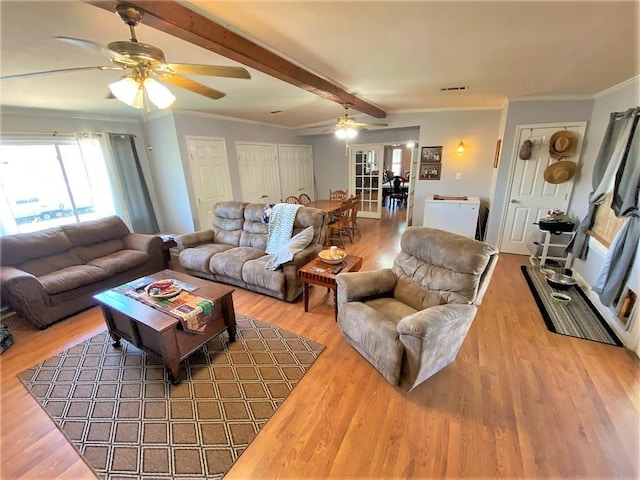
x=560, y=281
x=560, y=298
x=331, y=257
x=166, y=288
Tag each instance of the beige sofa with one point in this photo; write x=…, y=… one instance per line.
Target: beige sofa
x=53, y=273
x=233, y=251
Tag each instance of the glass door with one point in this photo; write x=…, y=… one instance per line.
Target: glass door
x=365, y=162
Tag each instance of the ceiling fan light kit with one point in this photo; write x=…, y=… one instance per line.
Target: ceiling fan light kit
x=159, y=95
x=346, y=133
x=128, y=91
x=146, y=61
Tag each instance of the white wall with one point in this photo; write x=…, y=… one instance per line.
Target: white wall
x=477, y=128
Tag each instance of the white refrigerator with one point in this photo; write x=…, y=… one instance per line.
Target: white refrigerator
x=457, y=216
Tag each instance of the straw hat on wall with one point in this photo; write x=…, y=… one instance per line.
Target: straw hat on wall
x=563, y=144
x=560, y=172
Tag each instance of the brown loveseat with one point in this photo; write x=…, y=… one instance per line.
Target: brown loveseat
x=234, y=250
x=53, y=273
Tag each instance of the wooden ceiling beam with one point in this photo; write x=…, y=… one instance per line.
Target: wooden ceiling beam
x=177, y=20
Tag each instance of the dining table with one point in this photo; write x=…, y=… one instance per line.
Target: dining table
x=329, y=206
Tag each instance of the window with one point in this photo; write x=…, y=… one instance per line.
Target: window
x=44, y=183
x=606, y=225
x=396, y=162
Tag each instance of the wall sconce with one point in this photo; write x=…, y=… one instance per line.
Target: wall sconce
x=461, y=147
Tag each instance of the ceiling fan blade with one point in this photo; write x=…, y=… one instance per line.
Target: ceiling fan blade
x=370, y=124
x=210, y=70
x=96, y=47
x=61, y=70
x=195, y=87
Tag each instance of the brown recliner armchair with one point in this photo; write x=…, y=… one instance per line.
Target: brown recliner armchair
x=409, y=321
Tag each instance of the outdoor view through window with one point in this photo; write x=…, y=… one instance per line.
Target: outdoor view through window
x=43, y=184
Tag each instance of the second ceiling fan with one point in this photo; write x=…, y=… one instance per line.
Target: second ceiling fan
x=348, y=127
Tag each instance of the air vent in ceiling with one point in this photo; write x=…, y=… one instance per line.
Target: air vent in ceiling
x=454, y=89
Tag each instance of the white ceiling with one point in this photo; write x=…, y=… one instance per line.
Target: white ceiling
x=396, y=55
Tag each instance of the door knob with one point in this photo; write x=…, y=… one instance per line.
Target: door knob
x=513, y=200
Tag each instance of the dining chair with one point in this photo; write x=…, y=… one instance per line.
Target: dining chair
x=339, y=228
x=353, y=215
x=398, y=195
x=291, y=199
x=304, y=199
x=338, y=195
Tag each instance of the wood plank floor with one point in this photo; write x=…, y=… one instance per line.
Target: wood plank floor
x=519, y=401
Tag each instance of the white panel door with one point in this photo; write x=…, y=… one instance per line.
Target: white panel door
x=296, y=170
x=259, y=172
x=210, y=176
x=530, y=195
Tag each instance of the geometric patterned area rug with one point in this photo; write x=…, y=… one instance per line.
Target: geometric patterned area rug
x=579, y=318
x=128, y=421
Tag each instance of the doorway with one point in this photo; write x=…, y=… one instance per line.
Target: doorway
x=365, y=178
x=529, y=195
x=210, y=176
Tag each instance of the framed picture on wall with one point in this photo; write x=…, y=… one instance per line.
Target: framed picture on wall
x=495, y=159
x=430, y=170
x=431, y=154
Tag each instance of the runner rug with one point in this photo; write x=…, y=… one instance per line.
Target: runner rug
x=579, y=318
x=125, y=418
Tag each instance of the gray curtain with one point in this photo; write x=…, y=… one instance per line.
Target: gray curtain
x=618, y=162
x=135, y=192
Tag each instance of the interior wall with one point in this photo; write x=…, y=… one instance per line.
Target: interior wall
x=174, y=210
x=173, y=159
x=478, y=129
x=522, y=112
x=616, y=99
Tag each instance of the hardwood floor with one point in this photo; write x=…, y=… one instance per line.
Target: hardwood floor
x=519, y=401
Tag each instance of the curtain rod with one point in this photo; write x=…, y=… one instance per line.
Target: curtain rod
x=36, y=134
x=63, y=134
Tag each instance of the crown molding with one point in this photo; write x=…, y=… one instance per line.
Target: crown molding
x=66, y=114
x=619, y=86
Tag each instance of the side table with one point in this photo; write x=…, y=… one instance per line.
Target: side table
x=316, y=272
x=6, y=338
x=168, y=242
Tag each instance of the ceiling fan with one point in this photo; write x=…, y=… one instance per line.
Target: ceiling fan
x=144, y=62
x=347, y=126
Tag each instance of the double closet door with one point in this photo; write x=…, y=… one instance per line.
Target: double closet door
x=271, y=172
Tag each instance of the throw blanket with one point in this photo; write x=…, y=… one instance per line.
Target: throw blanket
x=281, y=225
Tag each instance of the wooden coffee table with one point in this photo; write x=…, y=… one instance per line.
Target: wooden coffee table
x=316, y=272
x=160, y=334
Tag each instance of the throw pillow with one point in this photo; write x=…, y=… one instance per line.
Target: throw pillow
x=297, y=243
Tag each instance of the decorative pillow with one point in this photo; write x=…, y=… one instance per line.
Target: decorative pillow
x=297, y=243
x=266, y=213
